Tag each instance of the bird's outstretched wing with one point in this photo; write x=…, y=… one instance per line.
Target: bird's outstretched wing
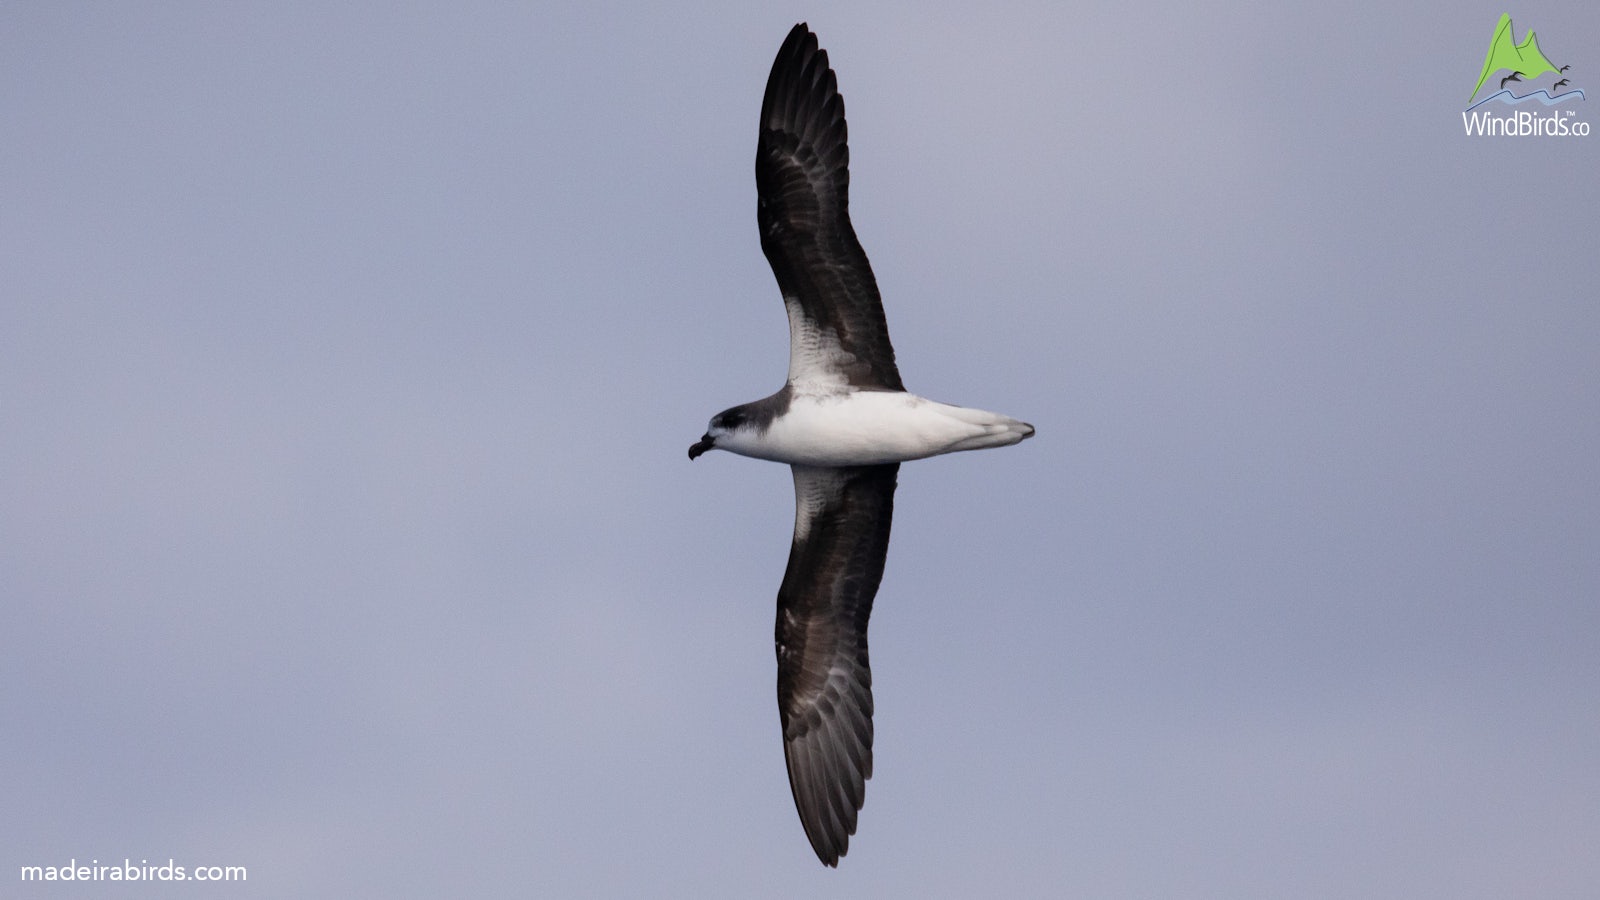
x=837, y=332
x=841, y=535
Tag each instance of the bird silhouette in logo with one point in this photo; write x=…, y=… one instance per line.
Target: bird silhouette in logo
x=1562, y=69
x=1558, y=84
x=1514, y=76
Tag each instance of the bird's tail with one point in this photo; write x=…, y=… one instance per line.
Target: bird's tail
x=996, y=430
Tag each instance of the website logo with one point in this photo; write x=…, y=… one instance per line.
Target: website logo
x=1515, y=73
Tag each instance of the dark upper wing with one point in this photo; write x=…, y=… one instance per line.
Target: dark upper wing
x=803, y=209
x=824, y=683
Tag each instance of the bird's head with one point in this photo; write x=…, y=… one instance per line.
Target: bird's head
x=723, y=424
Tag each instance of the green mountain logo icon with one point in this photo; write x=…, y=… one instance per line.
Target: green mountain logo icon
x=1522, y=60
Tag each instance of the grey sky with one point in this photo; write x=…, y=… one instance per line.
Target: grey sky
x=348, y=358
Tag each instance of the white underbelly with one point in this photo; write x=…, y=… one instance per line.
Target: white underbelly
x=873, y=427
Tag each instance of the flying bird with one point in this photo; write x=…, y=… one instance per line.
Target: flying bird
x=843, y=422
x=1559, y=84
x=1562, y=69
x=1514, y=76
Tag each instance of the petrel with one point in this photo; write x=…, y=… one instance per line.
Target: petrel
x=843, y=422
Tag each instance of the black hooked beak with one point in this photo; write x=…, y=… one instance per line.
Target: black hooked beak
x=705, y=443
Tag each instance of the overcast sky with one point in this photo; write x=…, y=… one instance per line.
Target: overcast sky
x=349, y=356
